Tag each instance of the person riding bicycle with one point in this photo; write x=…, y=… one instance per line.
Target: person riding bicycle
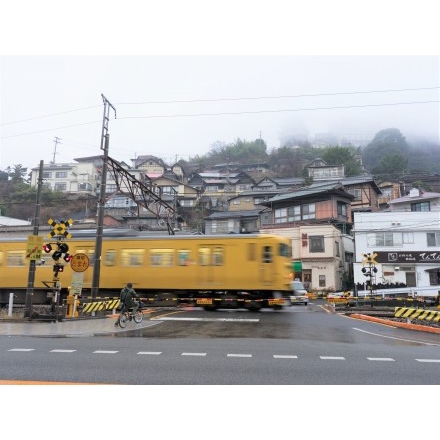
x=127, y=298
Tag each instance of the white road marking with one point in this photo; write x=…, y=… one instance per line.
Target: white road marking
x=105, y=352
x=284, y=356
x=21, y=349
x=62, y=351
x=337, y=358
x=205, y=319
x=393, y=337
x=150, y=352
x=193, y=354
x=381, y=359
x=428, y=360
x=239, y=355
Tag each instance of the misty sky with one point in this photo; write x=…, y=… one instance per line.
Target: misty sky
x=177, y=107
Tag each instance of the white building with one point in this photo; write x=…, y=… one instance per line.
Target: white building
x=405, y=244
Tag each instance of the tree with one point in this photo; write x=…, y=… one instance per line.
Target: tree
x=391, y=165
x=386, y=142
x=17, y=174
x=343, y=156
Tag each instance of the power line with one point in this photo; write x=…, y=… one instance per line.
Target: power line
x=47, y=116
x=277, y=111
x=275, y=97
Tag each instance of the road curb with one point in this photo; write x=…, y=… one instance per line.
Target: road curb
x=423, y=328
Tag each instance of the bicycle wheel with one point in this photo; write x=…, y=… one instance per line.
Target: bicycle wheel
x=138, y=317
x=123, y=321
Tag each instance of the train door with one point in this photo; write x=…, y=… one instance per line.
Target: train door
x=267, y=265
x=210, y=262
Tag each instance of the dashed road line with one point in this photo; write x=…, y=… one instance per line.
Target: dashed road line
x=230, y=355
x=105, y=352
x=22, y=349
x=62, y=351
x=193, y=354
x=332, y=358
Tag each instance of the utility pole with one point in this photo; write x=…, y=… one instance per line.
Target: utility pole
x=31, y=276
x=101, y=203
x=57, y=141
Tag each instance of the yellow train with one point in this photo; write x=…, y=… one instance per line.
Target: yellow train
x=251, y=270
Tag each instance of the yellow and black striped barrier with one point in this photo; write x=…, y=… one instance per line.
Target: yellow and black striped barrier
x=420, y=314
x=96, y=306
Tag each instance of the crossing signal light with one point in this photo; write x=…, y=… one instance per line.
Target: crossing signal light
x=47, y=248
x=58, y=268
x=57, y=255
x=67, y=258
x=63, y=248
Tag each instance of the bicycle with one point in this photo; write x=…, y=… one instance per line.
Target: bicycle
x=129, y=315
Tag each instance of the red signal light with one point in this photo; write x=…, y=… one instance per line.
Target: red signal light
x=67, y=257
x=47, y=248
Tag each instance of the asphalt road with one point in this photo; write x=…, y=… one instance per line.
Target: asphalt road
x=300, y=345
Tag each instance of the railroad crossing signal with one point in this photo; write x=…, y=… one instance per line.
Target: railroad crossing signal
x=60, y=229
x=369, y=259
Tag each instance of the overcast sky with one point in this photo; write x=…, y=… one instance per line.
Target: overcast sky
x=175, y=106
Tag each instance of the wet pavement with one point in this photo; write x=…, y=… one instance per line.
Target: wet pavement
x=93, y=326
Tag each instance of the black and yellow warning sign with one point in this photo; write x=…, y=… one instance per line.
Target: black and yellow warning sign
x=60, y=229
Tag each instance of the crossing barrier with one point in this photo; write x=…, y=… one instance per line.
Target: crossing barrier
x=420, y=314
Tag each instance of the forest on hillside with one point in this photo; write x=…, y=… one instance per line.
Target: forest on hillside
x=388, y=156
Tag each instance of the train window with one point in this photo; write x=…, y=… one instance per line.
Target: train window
x=16, y=258
x=162, y=257
x=285, y=250
x=218, y=256
x=132, y=257
x=267, y=254
x=2, y=258
x=184, y=256
x=204, y=256
x=110, y=258
x=252, y=252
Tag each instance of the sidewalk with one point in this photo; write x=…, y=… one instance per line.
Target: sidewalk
x=69, y=327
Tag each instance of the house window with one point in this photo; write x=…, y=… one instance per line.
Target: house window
x=337, y=251
x=308, y=211
x=237, y=201
x=390, y=239
x=342, y=209
x=433, y=238
x=316, y=243
x=47, y=175
x=420, y=206
x=295, y=213
x=356, y=193
x=321, y=280
x=281, y=215
x=61, y=175
x=60, y=186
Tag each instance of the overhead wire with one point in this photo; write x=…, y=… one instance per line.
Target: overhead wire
x=226, y=113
